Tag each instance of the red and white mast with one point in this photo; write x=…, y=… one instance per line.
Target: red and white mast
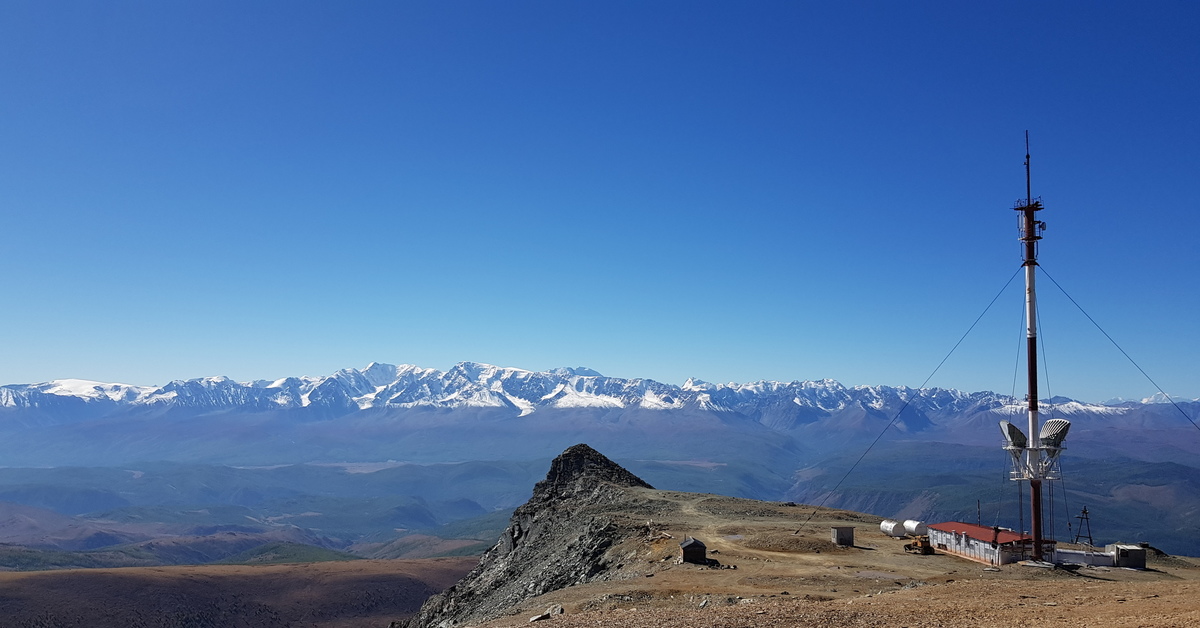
x=1033, y=460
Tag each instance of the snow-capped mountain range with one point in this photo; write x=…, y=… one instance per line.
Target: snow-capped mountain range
x=470, y=384
x=769, y=440
x=482, y=412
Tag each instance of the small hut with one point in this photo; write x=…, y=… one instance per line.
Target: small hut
x=842, y=535
x=694, y=551
x=1132, y=556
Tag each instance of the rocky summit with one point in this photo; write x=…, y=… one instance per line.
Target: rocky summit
x=583, y=473
x=561, y=537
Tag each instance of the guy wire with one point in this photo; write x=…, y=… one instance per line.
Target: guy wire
x=907, y=401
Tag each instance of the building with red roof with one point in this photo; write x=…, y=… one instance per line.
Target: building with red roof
x=992, y=546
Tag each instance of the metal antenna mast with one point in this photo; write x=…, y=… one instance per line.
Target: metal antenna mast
x=1028, y=188
x=1034, y=458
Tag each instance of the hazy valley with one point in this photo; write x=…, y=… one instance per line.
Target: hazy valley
x=201, y=470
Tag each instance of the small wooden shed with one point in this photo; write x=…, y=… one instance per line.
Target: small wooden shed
x=694, y=551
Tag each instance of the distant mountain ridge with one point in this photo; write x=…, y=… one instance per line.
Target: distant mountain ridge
x=478, y=411
x=767, y=440
x=471, y=384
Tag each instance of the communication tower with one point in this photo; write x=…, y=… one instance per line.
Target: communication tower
x=1033, y=461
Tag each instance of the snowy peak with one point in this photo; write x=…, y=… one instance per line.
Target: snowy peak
x=379, y=374
x=581, y=371
x=1159, y=397
x=88, y=389
x=523, y=392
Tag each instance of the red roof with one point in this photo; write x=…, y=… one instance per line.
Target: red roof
x=980, y=533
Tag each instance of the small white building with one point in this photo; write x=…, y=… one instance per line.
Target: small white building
x=1124, y=555
x=991, y=546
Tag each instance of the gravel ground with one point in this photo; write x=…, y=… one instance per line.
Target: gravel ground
x=873, y=583
x=983, y=604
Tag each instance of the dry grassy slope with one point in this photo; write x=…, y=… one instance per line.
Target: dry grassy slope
x=420, y=546
x=314, y=595
x=873, y=583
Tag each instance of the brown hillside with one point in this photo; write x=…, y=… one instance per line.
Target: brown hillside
x=314, y=595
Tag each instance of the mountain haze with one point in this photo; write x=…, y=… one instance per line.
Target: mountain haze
x=478, y=412
x=394, y=429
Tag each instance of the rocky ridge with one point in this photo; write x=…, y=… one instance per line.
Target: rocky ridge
x=559, y=538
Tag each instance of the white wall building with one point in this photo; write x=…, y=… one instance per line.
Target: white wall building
x=991, y=546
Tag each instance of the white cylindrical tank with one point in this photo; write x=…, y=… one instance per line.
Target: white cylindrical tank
x=912, y=526
x=891, y=528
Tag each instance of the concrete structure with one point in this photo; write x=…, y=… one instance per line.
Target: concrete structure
x=1133, y=556
x=842, y=535
x=991, y=546
x=1076, y=557
x=694, y=551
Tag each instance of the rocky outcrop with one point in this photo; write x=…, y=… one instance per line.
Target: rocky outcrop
x=561, y=537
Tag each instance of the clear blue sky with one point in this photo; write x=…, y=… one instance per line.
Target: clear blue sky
x=730, y=191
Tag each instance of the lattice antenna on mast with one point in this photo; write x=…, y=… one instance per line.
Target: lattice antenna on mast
x=1028, y=186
